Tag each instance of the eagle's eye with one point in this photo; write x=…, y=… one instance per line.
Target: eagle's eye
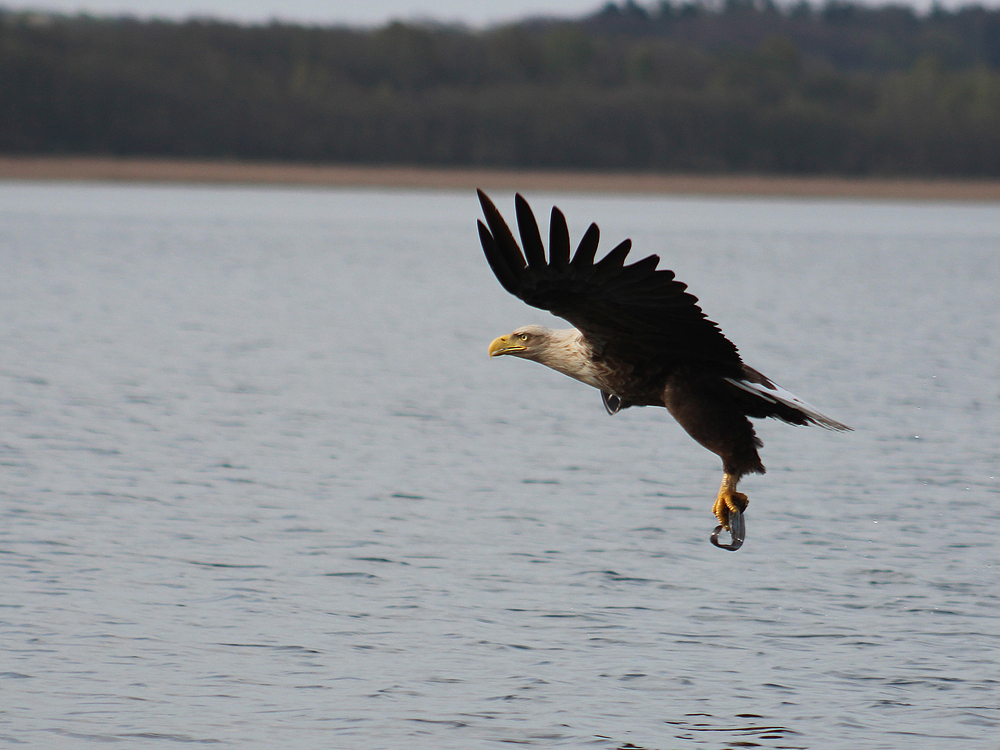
x=523, y=336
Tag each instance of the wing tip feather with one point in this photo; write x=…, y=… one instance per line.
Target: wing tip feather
x=506, y=275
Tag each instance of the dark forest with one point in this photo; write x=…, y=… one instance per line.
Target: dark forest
x=745, y=86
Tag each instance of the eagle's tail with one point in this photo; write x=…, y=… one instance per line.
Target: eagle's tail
x=774, y=401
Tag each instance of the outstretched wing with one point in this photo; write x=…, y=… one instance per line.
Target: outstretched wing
x=634, y=307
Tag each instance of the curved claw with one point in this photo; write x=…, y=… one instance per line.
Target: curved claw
x=738, y=530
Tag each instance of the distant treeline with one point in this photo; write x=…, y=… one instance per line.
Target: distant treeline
x=743, y=86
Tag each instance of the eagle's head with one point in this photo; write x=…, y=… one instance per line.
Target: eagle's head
x=528, y=342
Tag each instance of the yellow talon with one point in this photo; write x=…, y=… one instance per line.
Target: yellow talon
x=729, y=501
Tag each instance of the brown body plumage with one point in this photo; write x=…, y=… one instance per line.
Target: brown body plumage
x=641, y=340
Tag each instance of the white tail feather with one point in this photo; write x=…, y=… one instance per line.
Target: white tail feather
x=775, y=394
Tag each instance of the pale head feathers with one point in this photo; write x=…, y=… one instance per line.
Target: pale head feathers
x=563, y=350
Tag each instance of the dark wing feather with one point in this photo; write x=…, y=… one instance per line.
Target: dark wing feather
x=558, y=238
x=531, y=238
x=505, y=267
x=635, y=308
x=584, y=257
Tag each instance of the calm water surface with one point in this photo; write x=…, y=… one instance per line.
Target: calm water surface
x=262, y=487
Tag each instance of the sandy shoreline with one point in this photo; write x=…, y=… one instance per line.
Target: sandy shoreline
x=233, y=172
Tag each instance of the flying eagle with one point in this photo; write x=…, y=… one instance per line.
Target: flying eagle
x=641, y=340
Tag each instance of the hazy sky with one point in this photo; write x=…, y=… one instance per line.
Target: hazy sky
x=475, y=12
x=367, y=12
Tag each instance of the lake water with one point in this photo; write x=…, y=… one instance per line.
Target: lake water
x=262, y=487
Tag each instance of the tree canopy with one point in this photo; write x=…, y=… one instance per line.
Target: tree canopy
x=745, y=85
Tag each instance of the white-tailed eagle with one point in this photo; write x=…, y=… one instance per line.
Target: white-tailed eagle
x=641, y=340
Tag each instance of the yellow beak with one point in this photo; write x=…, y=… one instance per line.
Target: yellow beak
x=504, y=345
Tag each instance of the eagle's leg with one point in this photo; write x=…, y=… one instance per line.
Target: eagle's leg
x=720, y=424
x=729, y=501
x=729, y=507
